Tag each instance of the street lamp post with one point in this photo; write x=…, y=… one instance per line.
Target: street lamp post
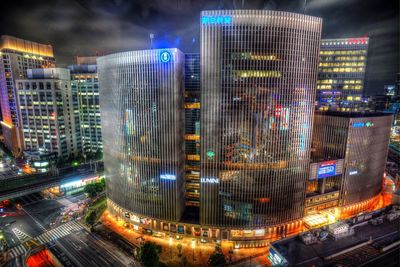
x=170, y=245
x=193, y=247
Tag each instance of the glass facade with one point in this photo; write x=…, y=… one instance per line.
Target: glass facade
x=258, y=83
x=142, y=111
x=342, y=65
x=192, y=129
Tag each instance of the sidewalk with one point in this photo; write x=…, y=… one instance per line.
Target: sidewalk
x=195, y=257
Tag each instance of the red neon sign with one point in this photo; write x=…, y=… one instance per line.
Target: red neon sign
x=361, y=40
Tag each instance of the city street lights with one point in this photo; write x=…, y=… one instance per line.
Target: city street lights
x=193, y=247
x=170, y=241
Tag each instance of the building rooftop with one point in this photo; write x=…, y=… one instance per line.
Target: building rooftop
x=24, y=46
x=83, y=69
x=299, y=254
x=49, y=73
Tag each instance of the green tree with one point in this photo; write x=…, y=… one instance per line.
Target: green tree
x=149, y=254
x=91, y=217
x=90, y=189
x=101, y=185
x=217, y=259
x=98, y=155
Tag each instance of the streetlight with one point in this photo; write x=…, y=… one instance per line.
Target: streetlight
x=193, y=246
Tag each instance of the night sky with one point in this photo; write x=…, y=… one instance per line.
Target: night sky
x=89, y=27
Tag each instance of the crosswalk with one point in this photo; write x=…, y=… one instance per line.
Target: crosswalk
x=22, y=236
x=46, y=237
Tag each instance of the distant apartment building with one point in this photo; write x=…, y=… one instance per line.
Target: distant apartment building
x=84, y=82
x=48, y=109
x=16, y=56
x=341, y=75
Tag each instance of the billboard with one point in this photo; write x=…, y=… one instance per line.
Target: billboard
x=326, y=169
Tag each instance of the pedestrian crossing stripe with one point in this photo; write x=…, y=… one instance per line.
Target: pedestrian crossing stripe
x=51, y=235
x=20, y=234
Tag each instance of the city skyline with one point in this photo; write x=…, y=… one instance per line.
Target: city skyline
x=103, y=27
x=240, y=133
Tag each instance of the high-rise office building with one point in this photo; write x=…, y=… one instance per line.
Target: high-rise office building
x=142, y=108
x=231, y=128
x=192, y=129
x=47, y=108
x=350, y=150
x=16, y=56
x=84, y=82
x=258, y=83
x=341, y=75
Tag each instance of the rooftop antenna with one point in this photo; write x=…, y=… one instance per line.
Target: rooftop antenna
x=151, y=40
x=305, y=6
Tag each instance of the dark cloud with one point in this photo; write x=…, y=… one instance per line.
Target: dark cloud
x=88, y=27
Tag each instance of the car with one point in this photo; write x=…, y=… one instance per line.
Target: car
x=203, y=240
x=158, y=234
x=178, y=237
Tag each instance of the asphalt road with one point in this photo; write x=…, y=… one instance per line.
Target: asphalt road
x=78, y=249
x=37, y=214
x=85, y=250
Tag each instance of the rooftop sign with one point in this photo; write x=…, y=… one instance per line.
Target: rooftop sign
x=216, y=20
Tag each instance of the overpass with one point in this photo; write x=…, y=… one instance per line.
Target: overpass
x=17, y=186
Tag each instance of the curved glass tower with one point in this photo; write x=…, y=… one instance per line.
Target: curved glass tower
x=258, y=86
x=142, y=124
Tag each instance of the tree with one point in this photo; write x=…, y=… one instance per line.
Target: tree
x=91, y=217
x=91, y=189
x=217, y=259
x=179, y=247
x=98, y=155
x=148, y=254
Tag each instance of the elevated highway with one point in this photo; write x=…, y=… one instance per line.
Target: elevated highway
x=16, y=186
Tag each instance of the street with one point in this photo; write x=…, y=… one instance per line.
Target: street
x=51, y=222
x=85, y=249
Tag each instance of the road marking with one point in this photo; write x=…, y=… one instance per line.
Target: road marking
x=22, y=236
x=48, y=236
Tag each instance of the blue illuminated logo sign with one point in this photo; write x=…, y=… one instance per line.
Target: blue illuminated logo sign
x=167, y=176
x=358, y=124
x=361, y=124
x=165, y=56
x=216, y=20
x=326, y=170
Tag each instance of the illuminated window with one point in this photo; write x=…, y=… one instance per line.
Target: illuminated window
x=257, y=74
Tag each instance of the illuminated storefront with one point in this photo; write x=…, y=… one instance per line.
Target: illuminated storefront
x=77, y=185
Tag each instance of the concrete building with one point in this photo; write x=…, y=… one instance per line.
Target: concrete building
x=84, y=83
x=16, y=56
x=341, y=75
x=351, y=150
x=47, y=112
